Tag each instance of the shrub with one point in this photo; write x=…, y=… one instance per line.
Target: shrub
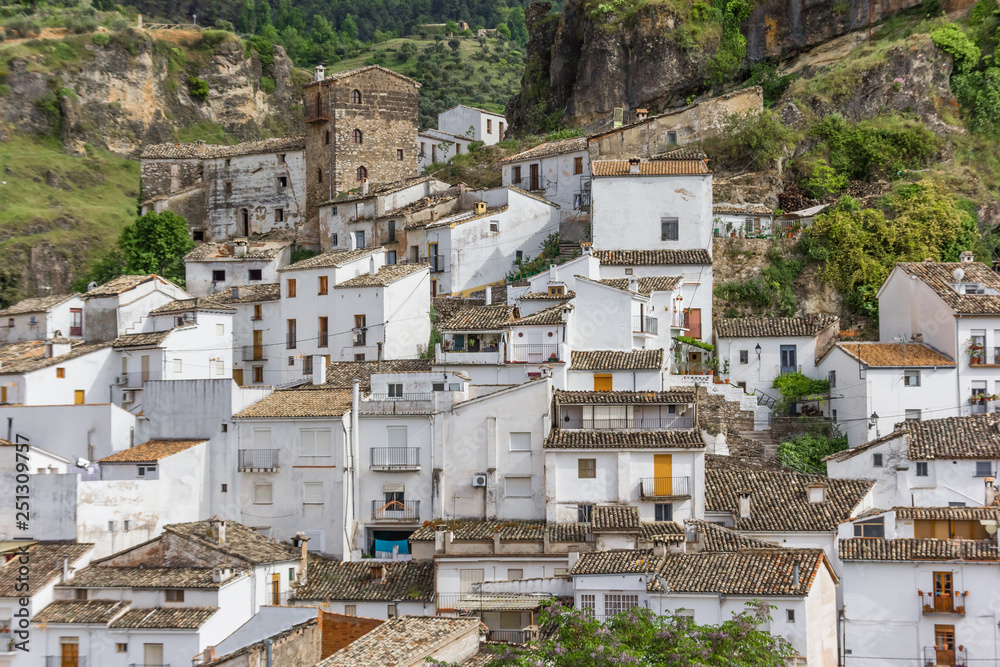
x=825, y=180
x=118, y=22
x=267, y=84
x=952, y=40
x=882, y=146
x=225, y=25
x=3, y=35
x=81, y=22
x=773, y=84
x=101, y=39
x=24, y=26
x=750, y=140
x=197, y=88
x=806, y=452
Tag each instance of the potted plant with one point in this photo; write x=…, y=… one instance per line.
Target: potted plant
x=725, y=370
x=975, y=352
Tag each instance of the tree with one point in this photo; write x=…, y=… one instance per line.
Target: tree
x=10, y=293
x=806, y=452
x=263, y=12
x=518, y=26
x=503, y=30
x=349, y=29
x=455, y=44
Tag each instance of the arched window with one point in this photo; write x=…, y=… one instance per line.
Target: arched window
x=358, y=137
x=356, y=97
x=327, y=141
x=362, y=173
x=319, y=175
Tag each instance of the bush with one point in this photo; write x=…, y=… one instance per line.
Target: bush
x=223, y=24
x=952, y=40
x=267, y=84
x=824, y=180
x=806, y=452
x=101, y=39
x=774, y=85
x=81, y=22
x=750, y=141
x=24, y=26
x=118, y=22
x=882, y=146
x=197, y=88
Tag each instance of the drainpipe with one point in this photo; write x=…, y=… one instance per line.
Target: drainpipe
x=958, y=367
x=10, y=429
x=350, y=471
x=267, y=651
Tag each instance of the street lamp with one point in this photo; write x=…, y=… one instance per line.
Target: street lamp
x=874, y=420
x=757, y=350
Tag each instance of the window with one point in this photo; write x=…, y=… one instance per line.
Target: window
x=258, y=374
x=282, y=181
x=355, y=97
x=616, y=603
x=437, y=386
x=956, y=504
x=494, y=225
x=178, y=365
x=832, y=378
x=360, y=323
x=586, y=468
x=291, y=361
x=587, y=603
x=744, y=356
x=870, y=528
x=324, y=331
x=357, y=137
x=876, y=460
x=577, y=165
x=319, y=175
x=515, y=175
x=256, y=274
x=225, y=488
x=315, y=442
x=290, y=288
x=350, y=610
x=81, y=593
x=147, y=471
x=390, y=257
x=520, y=442
x=312, y=493
x=290, y=337
x=126, y=525
x=359, y=357
x=279, y=215
x=326, y=140
x=362, y=173
x=921, y=468
x=61, y=373
x=984, y=469
x=584, y=513
x=281, y=158
x=513, y=574
x=833, y=415
x=78, y=397
x=399, y=153
x=789, y=615
x=323, y=285
x=121, y=648
x=668, y=229
x=262, y=438
x=220, y=329
x=517, y=487
x=664, y=512
x=489, y=126
x=423, y=147
x=111, y=529
x=76, y=322
x=307, y=365
x=174, y=596
x=333, y=239
x=218, y=276
x=229, y=188
x=262, y=493
x=628, y=272
x=911, y=378
x=198, y=235
x=671, y=137
x=911, y=415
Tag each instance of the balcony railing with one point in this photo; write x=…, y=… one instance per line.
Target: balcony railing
x=137, y=379
x=386, y=404
x=65, y=661
x=395, y=458
x=943, y=604
x=316, y=113
x=258, y=460
x=528, y=183
x=253, y=353
x=622, y=424
x=935, y=656
x=644, y=324
x=533, y=353
x=664, y=487
x=396, y=510
x=508, y=636
x=448, y=601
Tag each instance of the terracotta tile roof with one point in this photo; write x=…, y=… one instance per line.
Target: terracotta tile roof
x=546, y=317
x=310, y=402
x=401, y=642
x=854, y=451
x=178, y=618
x=478, y=318
x=336, y=580
x=347, y=74
x=663, y=439
x=673, y=396
x=716, y=538
x=778, y=498
x=81, y=611
x=472, y=530
x=615, y=518
x=386, y=275
x=241, y=542
x=918, y=549
x=187, y=305
x=545, y=296
x=896, y=355
x=377, y=189
x=570, y=145
x=663, y=531
x=969, y=437
x=46, y=565
x=38, y=304
x=247, y=294
x=224, y=250
x=646, y=285
x=948, y=513
x=119, y=285
x=615, y=360
x=774, y=327
x=685, y=153
x=618, y=561
x=152, y=450
x=342, y=373
x=144, y=339
x=104, y=576
x=458, y=218
x=27, y=356
x=652, y=257
x=201, y=150
x=332, y=259
x=601, y=168
x=939, y=276
x=741, y=209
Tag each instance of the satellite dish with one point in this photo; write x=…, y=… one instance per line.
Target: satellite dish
x=959, y=274
x=991, y=529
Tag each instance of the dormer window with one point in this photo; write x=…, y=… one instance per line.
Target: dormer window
x=816, y=493
x=557, y=290
x=972, y=288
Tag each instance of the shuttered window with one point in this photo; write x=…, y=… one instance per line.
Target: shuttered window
x=315, y=442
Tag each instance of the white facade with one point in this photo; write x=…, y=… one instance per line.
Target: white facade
x=25, y=321
x=438, y=146
x=65, y=379
x=478, y=124
x=560, y=174
x=111, y=311
x=215, y=267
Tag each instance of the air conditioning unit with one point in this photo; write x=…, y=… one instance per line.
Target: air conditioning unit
x=121, y=380
x=479, y=479
x=128, y=396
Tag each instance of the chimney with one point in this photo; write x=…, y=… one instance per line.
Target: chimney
x=221, y=574
x=587, y=248
x=633, y=284
x=449, y=537
x=967, y=256
x=795, y=575
x=371, y=266
x=480, y=208
x=434, y=216
x=633, y=165
x=236, y=292
x=364, y=186
x=489, y=295
x=571, y=559
x=240, y=247
x=320, y=73
x=744, y=504
x=319, y=369
x=218, y=528
x=816, y=493
x=208, y=655
x=640, y=114
x=303, y=555
x=659, y=548
x=65, y=568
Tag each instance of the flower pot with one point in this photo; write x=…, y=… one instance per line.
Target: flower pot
x=726, y=380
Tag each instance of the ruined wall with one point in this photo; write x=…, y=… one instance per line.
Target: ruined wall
x=163, y=177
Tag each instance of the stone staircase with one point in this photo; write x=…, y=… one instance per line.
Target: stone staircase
x=569, y=249
x=765, y=441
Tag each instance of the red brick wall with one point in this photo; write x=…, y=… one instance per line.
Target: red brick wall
x=338, y=631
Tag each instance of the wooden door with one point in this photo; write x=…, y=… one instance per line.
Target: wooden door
x=79, y=397
x=663, y=470
x=944, y=642
x=275, y=589
x=69, y=654
x=533, y=183
x=238, y=376
x=145, y=367
x=944, y=598
x=258, y=344
x=693, y=317
x=3, y=394
x=152, y=654
x=602, y=382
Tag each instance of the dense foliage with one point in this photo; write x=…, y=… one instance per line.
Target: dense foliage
x=806, y=452
x=749, y=142
x=885, y=146
x=976, y=76
x=771, y=291
x=795, y=387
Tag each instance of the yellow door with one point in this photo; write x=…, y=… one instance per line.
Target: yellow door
x=70, y=654
x=78, y=397
x=258, y=344
x=276, y=589
x=3, y=394
x=602, y=383
x=663, y=465
x=238, y=376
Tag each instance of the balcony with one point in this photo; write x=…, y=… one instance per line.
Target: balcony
x=65, y=661
x=448, y=601
x=935, y=656
x=628, y=424
x=664, y=488
x=529, y=184
x=253, y=353
x=644, y=324
x=399, y=404
x=316, y=113
x=533, y=353
x=943, y=604
x=399, y=511
x=258, y=460
x=517, y=637
x=395, y=458
x=137, y=379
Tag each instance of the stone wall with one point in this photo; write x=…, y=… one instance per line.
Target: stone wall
x=298, y=646
x=717, y=415
x=164, y=177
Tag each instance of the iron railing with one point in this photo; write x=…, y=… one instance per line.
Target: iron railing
x=481, y=346
x=395, y=510
x=533, y=353
x=941, y=656
x=635, y=423
x=253, y=353
x=383, y=398
x=932, y=603
x=65, y=661
x=508, y=636
x=765, y=400
x=664, y=487
x=644, y=324
x=448, y=601
x=395, y=458
x=256, y=460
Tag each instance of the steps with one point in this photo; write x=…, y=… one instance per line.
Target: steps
x=765, y=440
x=569, y=249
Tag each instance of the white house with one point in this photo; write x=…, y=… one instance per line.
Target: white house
x=932, y=463
x=369, y=588
x=439, y=146
x=485, y=126
x=873, y=386
x=743, y=220
x=915, y=600
x=258, y=332
x=42, y=318
x=120, y=306
x=616, y=370
x=756, y=350
x=558, y=170
x=213, y=267
x=56, y=372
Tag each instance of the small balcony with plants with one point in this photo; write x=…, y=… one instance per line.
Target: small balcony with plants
x=469, y=348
